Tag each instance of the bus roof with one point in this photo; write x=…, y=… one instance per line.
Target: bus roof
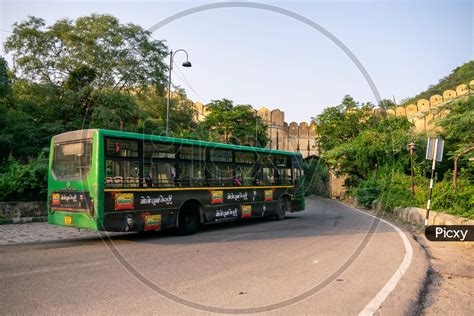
x=192, y=142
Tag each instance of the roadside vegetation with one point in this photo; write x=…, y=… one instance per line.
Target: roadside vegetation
x=94, y=72
x=370, y=150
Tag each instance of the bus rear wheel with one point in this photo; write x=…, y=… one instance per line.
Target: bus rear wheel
x=188, y=221
x=283, y=206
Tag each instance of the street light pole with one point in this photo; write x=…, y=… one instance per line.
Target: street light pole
x=169, y=93
x=187, y=63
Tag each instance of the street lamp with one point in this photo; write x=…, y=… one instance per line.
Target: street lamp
x=187, y=64
x=411, y=147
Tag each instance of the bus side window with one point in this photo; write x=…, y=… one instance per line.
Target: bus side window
x=297, y=176
x=122, y=173
x=268, y=175
x=283, y=176
x=257, y=175
x=159, y=174
x=190, y=174
x=246, y=175
x=220, y=175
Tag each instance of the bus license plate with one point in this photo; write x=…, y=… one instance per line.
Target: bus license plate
x=67, y=220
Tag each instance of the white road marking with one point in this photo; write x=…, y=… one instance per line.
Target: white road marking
x=375, y=303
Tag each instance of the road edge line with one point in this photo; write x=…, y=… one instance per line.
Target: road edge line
x=382, y=295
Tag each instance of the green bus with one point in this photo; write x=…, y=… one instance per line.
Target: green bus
x=118, y=181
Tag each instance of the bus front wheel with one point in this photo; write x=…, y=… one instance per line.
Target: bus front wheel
x=283, y=206
x=188, y=221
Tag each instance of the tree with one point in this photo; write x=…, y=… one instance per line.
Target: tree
x=234, y=124
x=115, y=110
x=341, y=123
x=94, y=50
x=181, y=116
x=458, y=131
x=356, y=139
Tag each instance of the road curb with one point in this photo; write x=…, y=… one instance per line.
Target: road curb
x=418, y=306
x=23, y=220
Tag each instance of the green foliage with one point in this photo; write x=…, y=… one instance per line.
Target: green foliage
x=24, y=182
x=370, y=149
x=234, y=124
x=181, y=116
x=115, y=110
x=316, y=177
x=93, y=50
x=4, y=80
x=458, y=128
x=463, y=74
x=460, y=202
x=91, y=73
x=339, y=124
x=392, y=188
x=358, y=139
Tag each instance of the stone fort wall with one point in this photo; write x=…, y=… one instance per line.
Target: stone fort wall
x=293, y=136
x=301, y=137
x=421, y=113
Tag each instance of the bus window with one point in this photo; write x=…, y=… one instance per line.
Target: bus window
x=122, y=148
x=72, y=159
x=220, y=174
x=283, y=176
x=244, y=175
x=159, y=174
x=268, y=175
x=244, y=157
x=191, y=153
x=281, y=161
x=219, y=155
x=122, y=173
x=190, y=175
x=158, y=150
x=297, y=176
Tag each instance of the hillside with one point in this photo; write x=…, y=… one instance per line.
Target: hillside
x=462, y=74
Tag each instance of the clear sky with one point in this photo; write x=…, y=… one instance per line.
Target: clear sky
x=266, y=59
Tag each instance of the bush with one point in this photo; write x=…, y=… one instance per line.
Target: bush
x=397, y=192
x=24, y=182
x=392, y=188
x=368, y=190
x=316, y=177
x=459, y=202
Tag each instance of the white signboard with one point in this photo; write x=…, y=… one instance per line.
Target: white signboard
x=434, y=147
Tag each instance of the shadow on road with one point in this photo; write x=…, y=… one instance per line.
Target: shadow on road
x=323, y=217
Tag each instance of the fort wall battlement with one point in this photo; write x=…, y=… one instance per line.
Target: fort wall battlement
x=301, y=137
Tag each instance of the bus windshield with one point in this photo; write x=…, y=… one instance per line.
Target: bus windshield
x=72, y=159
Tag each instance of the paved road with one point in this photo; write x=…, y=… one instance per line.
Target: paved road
x=321, y=261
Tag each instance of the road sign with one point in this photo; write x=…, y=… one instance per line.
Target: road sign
x=434, y=152
x=434, y=148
